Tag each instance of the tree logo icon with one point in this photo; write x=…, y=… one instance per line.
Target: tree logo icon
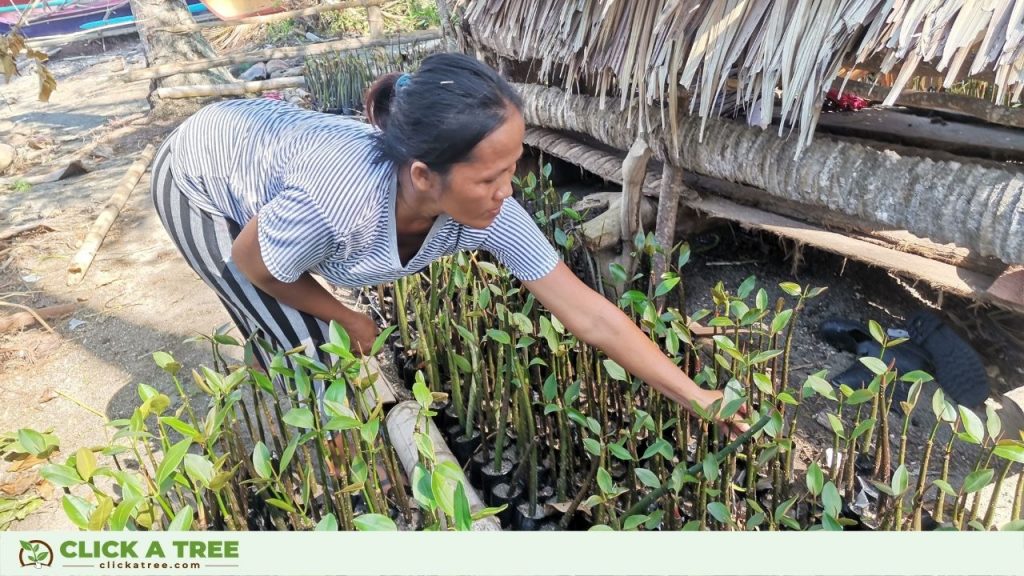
x=35, y=553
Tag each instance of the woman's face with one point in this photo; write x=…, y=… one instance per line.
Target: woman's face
x=473, y=190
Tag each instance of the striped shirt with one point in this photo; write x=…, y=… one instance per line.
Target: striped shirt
x=324, y=204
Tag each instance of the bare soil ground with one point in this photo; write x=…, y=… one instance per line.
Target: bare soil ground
x=140, y=296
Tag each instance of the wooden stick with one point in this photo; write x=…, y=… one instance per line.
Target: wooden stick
x=30, y=316
x=19, y=230
x=268, y=18
x=83, y=259
x=231, y=89
x=275, y=53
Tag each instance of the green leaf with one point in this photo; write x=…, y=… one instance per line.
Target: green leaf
x=977, y=480
x=374, y=523
x=172, y=458
x=1010, y=450
x=780, y=321
x=421, y=392
x=861, y=428
x=830, y=523
x=85, y=463
x=945, y=487
x=710, y=467
x=765, y=356
x=463, y=516
x=288, y=454
x=184, y=428
x=900, y=480
x=748, y=285
x=815, y=478
x=972, y=424
x=647, y=478
x=876, y=331
x=280, y=504
x=182, y=520
x=720, y=512
x=123, y=511
x=261, y=461
x=328, y=523
x=631, y=522
x=444, y=492
x=820, y=386
x=550, y=389
x=299, y=417
x=860, y=396
x=338, y=336
x=499, y=336
x=620, y=452
x=830, y=499
x=378, y=342
x=166, y=362
x=992, y=422
x=917, y=376
x=368, y=431
x=199, y=469
x=791, y=288
x=31, y=441
x=78, y=510
x=666, y=286
x=604, y=481
x=837, y=424
x=614, y=370
x=1015, y=526
x=425, y=445
x=875, y=365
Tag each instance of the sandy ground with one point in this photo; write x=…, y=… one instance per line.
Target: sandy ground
x=140, y=297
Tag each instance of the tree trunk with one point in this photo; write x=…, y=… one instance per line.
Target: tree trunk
x=978, y=207
x=153, y=19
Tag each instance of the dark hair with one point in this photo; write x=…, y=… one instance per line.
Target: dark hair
x=440, y=113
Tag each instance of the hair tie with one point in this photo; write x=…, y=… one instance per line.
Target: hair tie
x=403, y=81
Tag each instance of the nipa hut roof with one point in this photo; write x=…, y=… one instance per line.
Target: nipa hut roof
x=765, y=57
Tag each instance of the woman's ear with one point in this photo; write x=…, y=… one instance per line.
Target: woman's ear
x=424, y=179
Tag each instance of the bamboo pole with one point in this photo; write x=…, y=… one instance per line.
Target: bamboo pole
x=79, y=265
x=275, y=17
x=231, y=89
x=275, y=53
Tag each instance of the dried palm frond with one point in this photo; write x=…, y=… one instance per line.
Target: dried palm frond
x=770, y=59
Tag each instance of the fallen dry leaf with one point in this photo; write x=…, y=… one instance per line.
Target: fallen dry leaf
x=47, y=395
x=45, y=489
x=25, y=462
x=19, y=486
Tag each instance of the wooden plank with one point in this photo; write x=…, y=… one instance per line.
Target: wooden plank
x=888, y=125
x=940, y=102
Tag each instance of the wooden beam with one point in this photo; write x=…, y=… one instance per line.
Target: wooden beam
x=275, y=17
x=940, y=102
x=942, y=276
x=230, y=89
x=375, y=18
x=276, y=53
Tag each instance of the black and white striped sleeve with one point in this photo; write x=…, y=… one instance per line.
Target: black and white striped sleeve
x=518, y=243
x=293, y=234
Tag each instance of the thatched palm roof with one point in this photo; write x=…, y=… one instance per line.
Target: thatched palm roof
x=766, y=57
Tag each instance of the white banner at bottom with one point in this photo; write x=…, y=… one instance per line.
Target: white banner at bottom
x=509, y=553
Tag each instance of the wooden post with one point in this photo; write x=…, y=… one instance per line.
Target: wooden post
x=376, y=19
x=665, y=230
x=634, y=169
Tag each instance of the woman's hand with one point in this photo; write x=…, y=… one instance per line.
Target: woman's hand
x=595, y=320
x=362, y=331
x=732, y=426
